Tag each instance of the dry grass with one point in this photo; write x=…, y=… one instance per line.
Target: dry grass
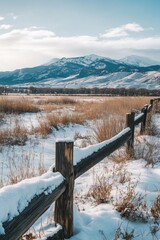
x=120, y=156
x=105, y=128
x=51, y=121
x=100, y=191
x=147, y=150
x=111, y=111
x=23, y=164
x=120, y=173
x=44, y=128
x=124, y=234
x=111, y=106
x=155, y=209
x=132, y=205
x=17, y=135
x=50, y=104
x=17, y=106
x=57, y=101
x=110, y=114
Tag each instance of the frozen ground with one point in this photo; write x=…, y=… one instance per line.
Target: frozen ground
x=92, y=221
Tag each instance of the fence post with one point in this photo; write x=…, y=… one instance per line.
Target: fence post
x=130, y=124
x=151, y=102
x=143, y=124
x=64, y=204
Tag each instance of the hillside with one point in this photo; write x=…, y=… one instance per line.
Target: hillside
x=88, y=71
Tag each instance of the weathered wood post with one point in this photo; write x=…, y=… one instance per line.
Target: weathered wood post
x=143, y=124
x=130, y=124
x=156, y=105
x=151, y=102
x=64, y=204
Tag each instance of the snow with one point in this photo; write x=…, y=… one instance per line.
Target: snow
x=15, y=198
x=81, y=153
x=135, y=77
x=68, y=140
x=148, y=80
x=84, y=60
x=139, y=61
x=102, y=221
x=91, y=221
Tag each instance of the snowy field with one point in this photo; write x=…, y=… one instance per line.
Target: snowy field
x=114, y=200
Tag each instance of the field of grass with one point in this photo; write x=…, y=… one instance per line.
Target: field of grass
x=106, y=116
x=30, y=125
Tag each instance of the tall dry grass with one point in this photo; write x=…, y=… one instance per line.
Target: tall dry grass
x=111, y=115
x=111, y=106
x=17, y=106
x=106, y=127
x=57, y=100
x=49, y=104
x=54, y=121
x=108, y=113
x=17, y=135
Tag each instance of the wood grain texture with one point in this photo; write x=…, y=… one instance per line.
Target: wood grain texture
x=131, y=124
x=64, y=204
x=15, y=228
x=88, y=162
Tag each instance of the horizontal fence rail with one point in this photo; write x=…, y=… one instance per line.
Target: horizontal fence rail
x=15, y=228
x=111, y=145
x=139, y=118
x=63, y=193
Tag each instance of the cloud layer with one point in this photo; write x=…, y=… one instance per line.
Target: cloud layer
x=33, y=46
x=122, y=31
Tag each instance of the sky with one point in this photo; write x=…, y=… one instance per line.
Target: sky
x=33, y=32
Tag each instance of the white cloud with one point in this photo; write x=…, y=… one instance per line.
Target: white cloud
x=1, y=18
x=5, y=26
x=122, y=31
x=34, y=46
x=133, y=27
x=13, y=16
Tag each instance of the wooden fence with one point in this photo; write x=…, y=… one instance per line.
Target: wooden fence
x=63, y=194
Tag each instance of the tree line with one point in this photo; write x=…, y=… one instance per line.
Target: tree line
x=87, y=91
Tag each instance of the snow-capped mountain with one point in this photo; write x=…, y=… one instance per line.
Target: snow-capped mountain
x=139, y=61
x=51, y=61
x=87, y=71
x=84, y=60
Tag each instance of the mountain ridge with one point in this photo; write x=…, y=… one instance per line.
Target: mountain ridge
x=86, y=71
x=139, y=61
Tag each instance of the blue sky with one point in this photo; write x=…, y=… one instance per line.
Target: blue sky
x=33, y=32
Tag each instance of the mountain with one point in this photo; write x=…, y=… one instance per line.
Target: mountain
x=139, y=61
x=84, y=60
x=86, y=71
x=52, y=61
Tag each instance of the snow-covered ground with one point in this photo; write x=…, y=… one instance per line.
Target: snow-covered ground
x=102, y=221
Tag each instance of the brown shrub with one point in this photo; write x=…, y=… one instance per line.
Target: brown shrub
x=155, y=209
x=100, y=191
x=132, y=205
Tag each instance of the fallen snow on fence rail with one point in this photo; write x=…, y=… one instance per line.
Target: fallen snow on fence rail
x=139, y=116
x=81, y=153
x=15, y=198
